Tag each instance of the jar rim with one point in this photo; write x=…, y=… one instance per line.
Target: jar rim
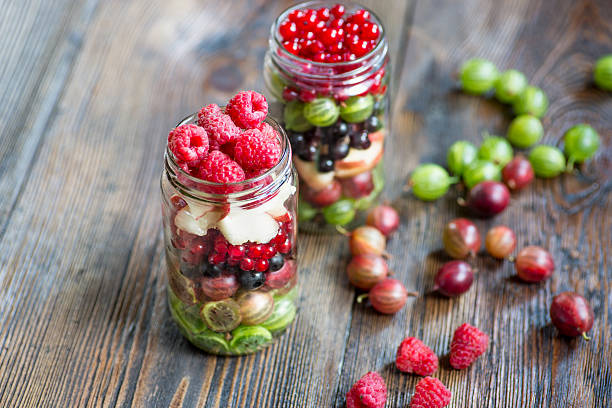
x=381, y=45
x=237, y=188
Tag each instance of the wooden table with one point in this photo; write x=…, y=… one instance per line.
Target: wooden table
x=88, y=92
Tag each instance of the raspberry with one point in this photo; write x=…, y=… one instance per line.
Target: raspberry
x=268, y=131
x=219, y=168
x=369, y=392
x=256, y=150
x=430, y=393
x=467, y=345
x=220, y=130
x=207, y=112
x=247, y=109
x=413, y=356
x=188, y=143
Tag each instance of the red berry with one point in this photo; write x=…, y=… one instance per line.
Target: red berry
x=359, y=47
x=307, y=95
x=310, y=35
x=360, y=16
x=216, y=258
x=337, y=23
x=255, y=251
x=518, y=173
x=278, y=279
x=293, y=47
x=295, y=15
x=369, y=392
x=188, y=143
x=280, y=237
x=308, y=21
x=284, y=247
x=247, y=264
x=338, y=10
x=220, y=287
x=235, y=251
x=247, y=109
x=365, y=271
x=290, y=94
x=571, y=314
x=336, y=48
x=413, y=356
x=369, y=31
x=288, y=30
x=219, y=168
x=261, y=265
x=328, y=36
x=208, y=112
x=323, y=13
x=430, y=393
x=221, y=245
x=534, y=264
x=488, y=198
x=351, y=28
x=268, y=251
x=467, y=345
x=454, y=278
x=319, y=57
x=324, y=197
x=256, y=150
x=384, y=218
x=178, y=202
x=221, y=129
x=320, y=25
x=388, y=296
x=333, y=58
x=461, y=238
x=358, y=186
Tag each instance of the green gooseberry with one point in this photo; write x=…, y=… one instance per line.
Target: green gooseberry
x=357, y=108
x=339, y=213
x=602, y=74
x=496, y=150
x=306, y=212
x=547, y=161
x=481, y=170
x=532, y=100
x=581, y=142
x=525, y=131
x=510, y=85
x=460, y=155
x=322, y=112
x=430, y=181
x=293, y=115
x=478, y=76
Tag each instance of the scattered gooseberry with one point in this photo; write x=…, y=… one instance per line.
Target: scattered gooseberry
x=534, y=264
x=571, y=314
x=479, y=171
x=532, y=100
x=496, y=150
x=488, y=198
x=387, y=296
x=547, y=161
x=461, y=238
x=478, y=76
x=460, y=155
x=430, y=181
x=518, y=173
x=384, y=218
x=525, y=131
x=454, y=278
x=581, y=142
x=510, y=85
x=365, y=240
x=366, y=270
x=602, y=74
x=500, y=241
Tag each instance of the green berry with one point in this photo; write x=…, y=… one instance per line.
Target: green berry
x=581, y=142
x=322, y=112
x=510, y=85
x=357, y=108
x=460, y=155
x=306, y=212
x=430, y=181
x=248, y=339
x=479, y=171
x=339, y=213
x=532, y=101
x=478, y=76
x=496, y=150
x=603, y=72
x=211, y=342
x=525, y=131
x=283, y=314
x=547, y=161
x=294, y=117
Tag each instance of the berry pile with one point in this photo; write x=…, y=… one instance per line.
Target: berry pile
x=231, y=270
x=329, y=34
x=227, y=147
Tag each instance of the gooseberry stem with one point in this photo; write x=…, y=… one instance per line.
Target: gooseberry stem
x=361, y=297
x=585, y=336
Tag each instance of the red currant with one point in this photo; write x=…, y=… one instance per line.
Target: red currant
x=337, y=23
x=255, y=251
x=280, y=237
x=288, y=30
x=269, y=251
x=338, y=10
x=361, y=16
x=320, y=25
x=292, y=46
x=370, y=31
x=247, y=264
x=178, y=202
x=328, y=36
x=308, y=95
x=359, y=47
x=323, y=13
x=315, y=47
x=309, y=21
x=220, y=246
x=198, y=249
x=351, y=28
x=319, y=57
x=296, y=15
x=261, y=265
x=290, y=94
x=332, y=58
x=236, y=251
x=284, y=247
x=308, y=36
x=336, y=48
x=216, y=258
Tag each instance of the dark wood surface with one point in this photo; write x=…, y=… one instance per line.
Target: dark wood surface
x=88, y=92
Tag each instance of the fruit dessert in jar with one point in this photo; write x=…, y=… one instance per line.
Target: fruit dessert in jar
x=327, y=71
x=229, y=195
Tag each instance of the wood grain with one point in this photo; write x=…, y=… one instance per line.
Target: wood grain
x=88, y=90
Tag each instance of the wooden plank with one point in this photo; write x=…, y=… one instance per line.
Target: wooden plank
x=555, y=44
x=38, y=43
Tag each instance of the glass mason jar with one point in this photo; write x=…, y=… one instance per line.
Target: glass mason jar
x=337, y=118
x=231, y=254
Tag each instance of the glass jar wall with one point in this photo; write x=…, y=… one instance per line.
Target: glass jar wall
x=336, y=114
x=231, y=255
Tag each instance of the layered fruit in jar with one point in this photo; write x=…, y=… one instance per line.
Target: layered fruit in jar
x=229, y=195
x=327, y=70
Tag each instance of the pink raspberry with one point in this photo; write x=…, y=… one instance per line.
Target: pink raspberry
x=247, y=109
x=221, y=130
x=188, y=143
x=430, y=393
x=255, y=150
x=413, y=356
x=207, y=112
x=467, y=345
x=219, y=168
x=267, y=130
x=369, y=392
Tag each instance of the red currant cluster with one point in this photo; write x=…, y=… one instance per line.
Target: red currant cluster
x=329, y=35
